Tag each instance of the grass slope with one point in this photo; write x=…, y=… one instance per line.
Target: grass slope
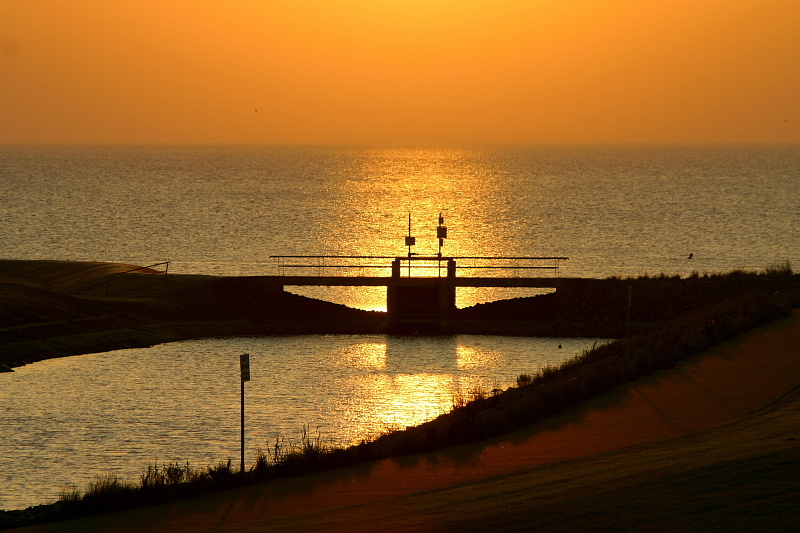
x=738, y=476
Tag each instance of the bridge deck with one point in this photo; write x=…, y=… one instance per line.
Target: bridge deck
x=374, y=281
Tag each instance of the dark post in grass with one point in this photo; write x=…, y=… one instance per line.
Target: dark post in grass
x=244, y=364
x=628, y=334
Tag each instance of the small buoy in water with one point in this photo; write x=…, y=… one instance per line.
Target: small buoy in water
x=691, y=255
x=559, y=346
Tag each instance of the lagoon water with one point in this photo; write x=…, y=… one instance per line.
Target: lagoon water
x=613, y=210
x=66, y=420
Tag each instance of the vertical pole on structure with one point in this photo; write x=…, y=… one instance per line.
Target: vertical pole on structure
x=410, y=241
x=244, y=365
x=441, y=234
x=409, y=245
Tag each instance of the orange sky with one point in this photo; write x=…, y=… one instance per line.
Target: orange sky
x=399, y=71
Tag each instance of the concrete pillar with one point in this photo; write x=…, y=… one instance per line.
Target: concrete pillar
x=447, y=300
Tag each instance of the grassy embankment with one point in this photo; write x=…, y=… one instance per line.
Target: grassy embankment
x=671, y=319
x=61, y=308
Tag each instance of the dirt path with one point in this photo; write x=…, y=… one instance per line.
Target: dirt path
x=725, y=383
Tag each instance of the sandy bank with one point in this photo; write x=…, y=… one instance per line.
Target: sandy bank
x=708, y=446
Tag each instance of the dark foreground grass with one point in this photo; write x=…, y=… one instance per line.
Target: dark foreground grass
x=737, y=476
x=757, y=299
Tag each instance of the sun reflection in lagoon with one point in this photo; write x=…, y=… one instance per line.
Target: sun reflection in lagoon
x=365, y=356
x=391, y=382
x=468, y=358
x=387, y=382
x=396, y=400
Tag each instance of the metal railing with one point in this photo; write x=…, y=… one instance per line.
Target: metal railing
x=349, y=265
x=165, y=272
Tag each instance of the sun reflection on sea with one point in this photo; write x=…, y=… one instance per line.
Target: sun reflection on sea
x=376, y=190
x=383, y=186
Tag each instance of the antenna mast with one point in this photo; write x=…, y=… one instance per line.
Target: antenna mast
x=410, y=241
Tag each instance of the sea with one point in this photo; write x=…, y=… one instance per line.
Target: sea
x=229, y=210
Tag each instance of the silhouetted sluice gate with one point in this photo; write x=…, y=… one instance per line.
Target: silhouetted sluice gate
x=414, y=302
x=417, y=302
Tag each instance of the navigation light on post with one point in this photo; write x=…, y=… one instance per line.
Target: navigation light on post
x=441, y=233
x=410, y=241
